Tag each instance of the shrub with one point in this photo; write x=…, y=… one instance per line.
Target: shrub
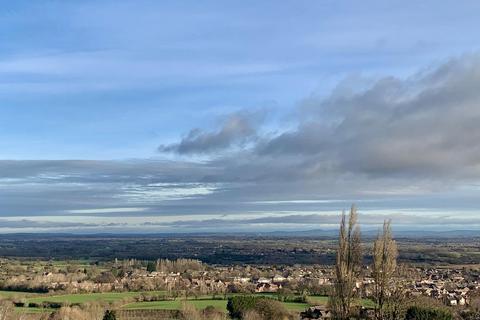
x=189, y=312
x=238, y=305
x=268, y=309
x=109, y=315
x=52, y=304
x=426, y=313
x=252, y=315
x=151, y=266
x=212, y=313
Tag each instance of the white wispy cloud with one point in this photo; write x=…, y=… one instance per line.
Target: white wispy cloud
x=105, y=210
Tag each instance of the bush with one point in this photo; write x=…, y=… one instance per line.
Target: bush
x=211, y=313
x=238, y=305
x=109, y=315
x=189, y=312
x=268, y=309
x=151, y=266
x=425, y=313
x=52, y=304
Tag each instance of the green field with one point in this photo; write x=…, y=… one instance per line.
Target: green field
x=200, y=304
x=295, y=306
x=318, y=300
x=88, y=297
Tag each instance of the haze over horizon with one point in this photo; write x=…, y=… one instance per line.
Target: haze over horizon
x=146, y=116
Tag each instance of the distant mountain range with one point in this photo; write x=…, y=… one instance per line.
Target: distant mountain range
x=314, y=233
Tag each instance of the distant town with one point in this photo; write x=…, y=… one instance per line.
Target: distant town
x=450, y=285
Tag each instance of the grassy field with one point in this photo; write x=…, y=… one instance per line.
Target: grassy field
x=88, y=297
x=318, y=300
x=200, y=304
x=295, y=306
x=177, y=304
x=16, y=294
x=323, y=300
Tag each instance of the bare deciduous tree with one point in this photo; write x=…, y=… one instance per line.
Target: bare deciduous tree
x=383, y=269
x=348, y=266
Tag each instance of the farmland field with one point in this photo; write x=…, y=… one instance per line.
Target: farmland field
x=88, y=297
x=200, y=304
x=177, y=304
x=110, y=297
x=16, y=294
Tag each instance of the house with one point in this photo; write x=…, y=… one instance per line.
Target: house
x=452, y=301
x=278, y=278
x=264, y=280
x=241, y=279
x=267, y=287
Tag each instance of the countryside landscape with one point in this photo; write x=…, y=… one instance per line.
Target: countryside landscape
x=248, y=277
x=249, y=160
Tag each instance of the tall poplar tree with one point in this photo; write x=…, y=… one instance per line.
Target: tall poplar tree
x=348, y=266
x=383, y=269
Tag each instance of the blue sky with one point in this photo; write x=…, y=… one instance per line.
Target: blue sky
x=221, y=113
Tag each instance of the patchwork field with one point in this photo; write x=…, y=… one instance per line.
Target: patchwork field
x=111, y=297
x=88, y=297
x=200, y=304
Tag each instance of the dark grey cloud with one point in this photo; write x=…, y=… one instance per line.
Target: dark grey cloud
x=424, y=125
x=236, y=129
x=421, y=127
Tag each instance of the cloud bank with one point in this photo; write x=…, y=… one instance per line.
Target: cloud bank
x=425, y=125
x=397, y=143
x=236, y=129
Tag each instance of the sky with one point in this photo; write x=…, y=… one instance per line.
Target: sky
x=218, y=116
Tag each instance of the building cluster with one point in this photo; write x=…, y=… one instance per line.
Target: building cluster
x=452, y=286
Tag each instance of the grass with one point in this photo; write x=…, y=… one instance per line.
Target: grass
x=177, y=304
x=323, y=300
x=295, y=306
x=318, y=300
x=16, y=294
x=200, y=304
x=33, y=310
x=88, y=297
x=367, y=303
